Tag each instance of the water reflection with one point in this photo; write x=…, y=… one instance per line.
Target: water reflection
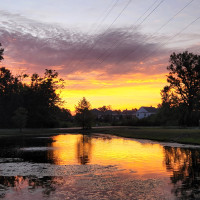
x=13, y=147
x=179, y=166
x=32, y=183
x=145, y=158
x=184, y=164
x=84, y=149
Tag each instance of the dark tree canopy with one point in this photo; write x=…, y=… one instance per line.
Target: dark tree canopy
x=10, y=98
x=1, y=52
x=183, y=91
x=20, y=118
x=40, y=99
x=34, y=104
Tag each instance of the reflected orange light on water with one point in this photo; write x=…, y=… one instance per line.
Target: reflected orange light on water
x=64, y=152
x=126, y=154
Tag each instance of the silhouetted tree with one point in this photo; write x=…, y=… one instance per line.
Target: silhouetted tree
x=41, y=99
x=1, y=53
x=63, y=116
x=10, y=96
x=83, y=114
x=183, y=91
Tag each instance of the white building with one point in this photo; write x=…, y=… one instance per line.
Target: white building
x=145, y=112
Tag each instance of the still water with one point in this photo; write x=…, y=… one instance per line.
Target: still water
x=75, y=166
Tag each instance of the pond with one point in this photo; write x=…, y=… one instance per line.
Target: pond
x=75, y=166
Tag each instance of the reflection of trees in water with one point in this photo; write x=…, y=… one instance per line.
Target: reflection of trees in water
x=84, y=148
x=13, y=148
x=47, y=183
x=16, y=182
x=185, y=167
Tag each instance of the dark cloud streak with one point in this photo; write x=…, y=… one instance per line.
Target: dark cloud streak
x=45, y=45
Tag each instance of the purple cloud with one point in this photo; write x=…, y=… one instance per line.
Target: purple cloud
x=45, y=45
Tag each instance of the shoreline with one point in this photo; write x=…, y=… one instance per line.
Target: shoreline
x=160, y=134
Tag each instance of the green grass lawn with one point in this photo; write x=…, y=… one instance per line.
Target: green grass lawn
x=186, y=135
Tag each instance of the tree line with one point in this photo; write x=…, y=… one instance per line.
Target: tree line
x=180, y=98
x=33, y=101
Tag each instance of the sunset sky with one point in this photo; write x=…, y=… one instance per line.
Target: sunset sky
x=113, y=52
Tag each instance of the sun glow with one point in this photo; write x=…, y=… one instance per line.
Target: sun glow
x=123, y=93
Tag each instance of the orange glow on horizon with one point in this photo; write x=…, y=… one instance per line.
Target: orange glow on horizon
x=121, y=91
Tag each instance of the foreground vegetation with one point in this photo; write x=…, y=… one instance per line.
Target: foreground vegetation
x=185, y=136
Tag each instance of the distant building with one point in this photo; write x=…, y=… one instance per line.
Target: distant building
x=110, y=115
x=100, y=115
x=129, y=114
x=145, y=112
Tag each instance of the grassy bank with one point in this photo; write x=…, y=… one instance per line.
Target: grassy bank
x=187, y=136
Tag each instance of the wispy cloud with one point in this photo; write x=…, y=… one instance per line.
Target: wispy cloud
x=41, y=45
